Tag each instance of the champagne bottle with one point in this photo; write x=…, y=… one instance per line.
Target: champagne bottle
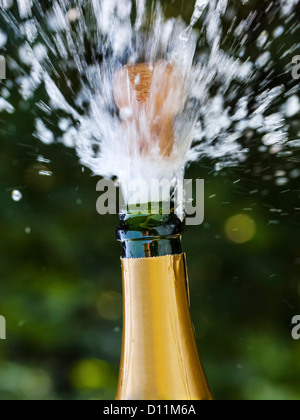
x=160, y=360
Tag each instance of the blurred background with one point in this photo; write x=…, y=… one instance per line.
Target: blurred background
x=60, y=278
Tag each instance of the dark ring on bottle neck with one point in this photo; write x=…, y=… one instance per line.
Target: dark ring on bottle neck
x=150, y=235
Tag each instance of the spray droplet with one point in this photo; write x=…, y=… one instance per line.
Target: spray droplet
x=24, y=8
x=200, y=6
x=295, y=173
x=45, y=173
x=282, y=181
x=73, y=14
x=27, y=230
x=41, y=159
x=126, y=113
x=262, y=39
x=199, y=9
x=185, y=35
x=16, y=195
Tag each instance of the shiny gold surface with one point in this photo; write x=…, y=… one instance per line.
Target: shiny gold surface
x=160, y=359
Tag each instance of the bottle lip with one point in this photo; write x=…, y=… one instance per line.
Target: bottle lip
x=142, y=225
x=125, y=236
x=162, y=208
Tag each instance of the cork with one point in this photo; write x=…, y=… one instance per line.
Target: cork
x=156, y=90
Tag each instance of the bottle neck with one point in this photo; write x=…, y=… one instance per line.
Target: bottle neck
x=148, y=234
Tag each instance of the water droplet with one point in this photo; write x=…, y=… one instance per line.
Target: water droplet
x=27, y=230
x=16, y=195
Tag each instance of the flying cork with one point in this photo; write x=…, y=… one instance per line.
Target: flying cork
x=154, y=92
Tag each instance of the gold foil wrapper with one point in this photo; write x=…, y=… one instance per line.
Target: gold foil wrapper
x=160, y=360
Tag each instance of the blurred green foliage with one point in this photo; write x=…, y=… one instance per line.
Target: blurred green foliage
x=60, y=282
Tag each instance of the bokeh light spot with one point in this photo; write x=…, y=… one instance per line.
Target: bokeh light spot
x=240, y=228
x=90, y=374
x=109, y=305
